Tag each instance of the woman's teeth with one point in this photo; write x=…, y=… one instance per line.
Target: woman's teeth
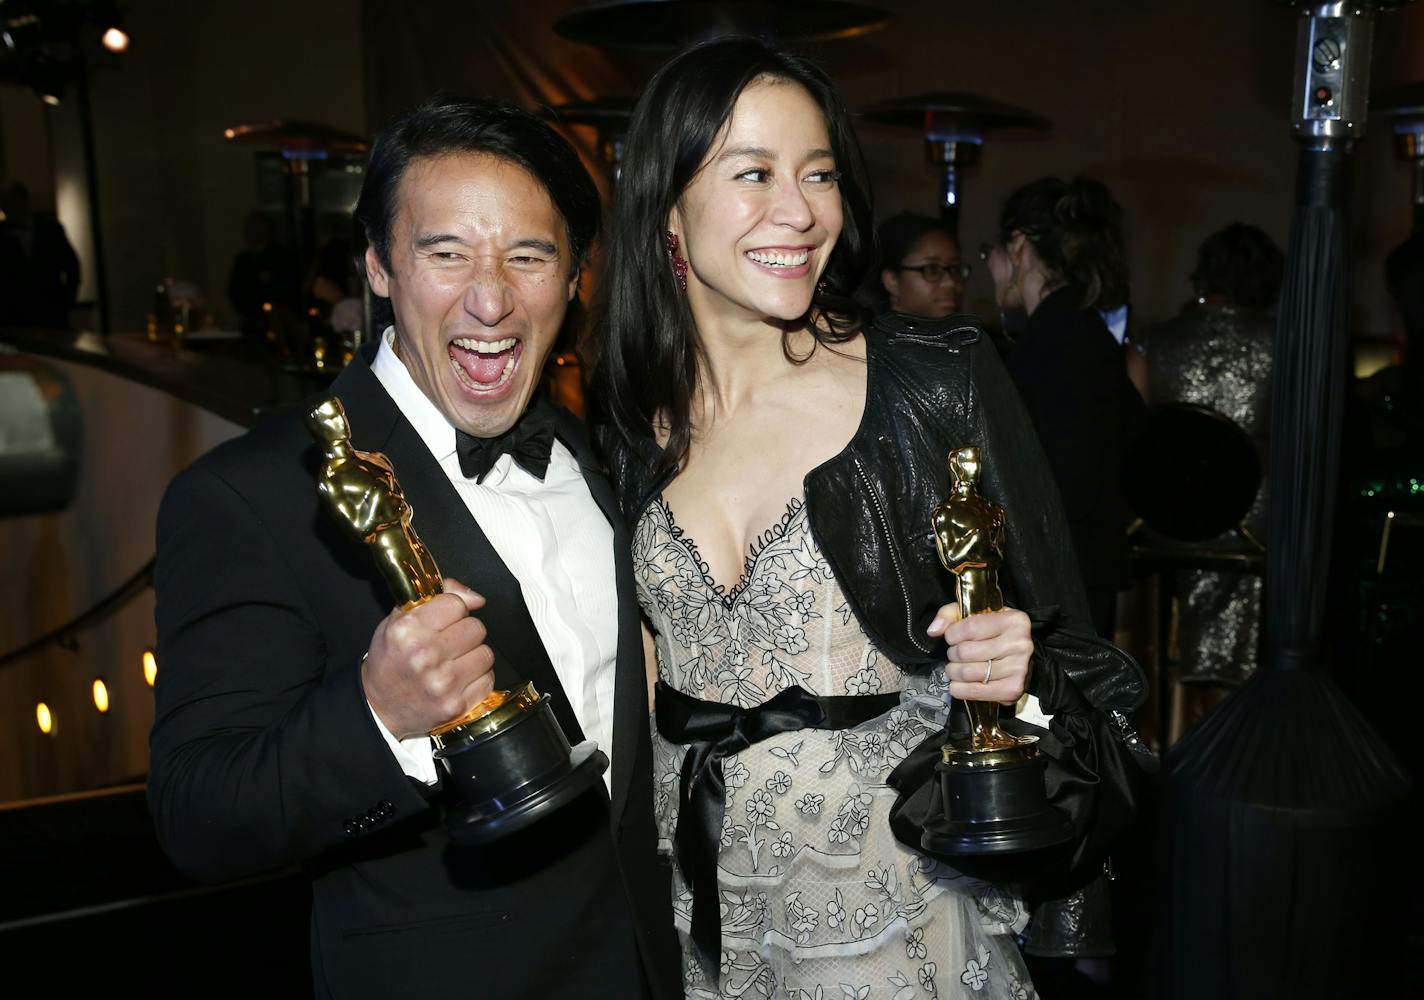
x=777, y=259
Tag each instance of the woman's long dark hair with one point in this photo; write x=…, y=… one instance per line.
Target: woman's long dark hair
x=645, y=351
x=1076, y=230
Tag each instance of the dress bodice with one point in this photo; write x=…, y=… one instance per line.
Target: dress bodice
x=784, y=622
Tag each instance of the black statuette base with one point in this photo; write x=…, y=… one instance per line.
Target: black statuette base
x=997, y=809
x=510, y=778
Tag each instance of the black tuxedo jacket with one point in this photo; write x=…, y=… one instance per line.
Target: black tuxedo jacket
x=265, y=752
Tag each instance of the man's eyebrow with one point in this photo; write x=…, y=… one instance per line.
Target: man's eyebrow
x=534, y=243
x=435, y=239
x=530, y=242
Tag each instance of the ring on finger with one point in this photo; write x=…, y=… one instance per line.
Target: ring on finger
x=988, y=669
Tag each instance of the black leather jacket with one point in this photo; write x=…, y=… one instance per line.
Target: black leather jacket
x=932, y=386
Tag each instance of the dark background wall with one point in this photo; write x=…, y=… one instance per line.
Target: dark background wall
x=1180, y=105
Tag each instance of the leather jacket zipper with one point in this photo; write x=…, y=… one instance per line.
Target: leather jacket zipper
x=894, y=557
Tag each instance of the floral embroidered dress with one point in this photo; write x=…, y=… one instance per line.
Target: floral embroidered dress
x=818, y=899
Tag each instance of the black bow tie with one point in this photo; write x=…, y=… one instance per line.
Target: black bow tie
x=529, y=442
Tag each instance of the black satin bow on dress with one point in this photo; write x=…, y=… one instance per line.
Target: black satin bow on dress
x=530, y=442
x=714, y=730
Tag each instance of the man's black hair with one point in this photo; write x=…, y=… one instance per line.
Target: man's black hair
x=446, y=126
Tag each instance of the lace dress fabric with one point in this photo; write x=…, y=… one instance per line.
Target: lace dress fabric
x=818, y=899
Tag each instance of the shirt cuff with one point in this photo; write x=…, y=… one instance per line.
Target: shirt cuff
x=413, y=755
x=1028, y=709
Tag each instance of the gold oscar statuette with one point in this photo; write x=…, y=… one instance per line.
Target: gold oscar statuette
x=991, y=782
x=360, y=489
x=504, y=784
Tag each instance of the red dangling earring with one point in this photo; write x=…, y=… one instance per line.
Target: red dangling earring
x=679, y=263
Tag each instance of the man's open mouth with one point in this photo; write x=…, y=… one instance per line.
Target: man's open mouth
x=484, y=365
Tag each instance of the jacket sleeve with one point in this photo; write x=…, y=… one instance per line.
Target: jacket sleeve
x=262, y=754
x=1041, y=566
x=1057, y=389
x=1097, y=771
x=1042, y=569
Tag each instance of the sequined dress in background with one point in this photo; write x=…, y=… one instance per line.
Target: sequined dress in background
x=1219, y=357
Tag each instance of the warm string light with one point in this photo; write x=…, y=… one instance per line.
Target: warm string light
x=45, y=717
x=116, y=40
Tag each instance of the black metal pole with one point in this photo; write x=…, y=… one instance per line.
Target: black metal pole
x=1418, y=195
x=1308, y=403
x=1269, y=800
x=949, y=199
x=91, y=183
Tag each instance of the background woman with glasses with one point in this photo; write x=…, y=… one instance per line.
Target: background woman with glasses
x=920, y=272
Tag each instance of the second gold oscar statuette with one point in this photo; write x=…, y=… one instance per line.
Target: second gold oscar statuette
x=992, y=782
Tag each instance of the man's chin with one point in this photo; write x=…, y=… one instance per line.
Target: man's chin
x=487, y=419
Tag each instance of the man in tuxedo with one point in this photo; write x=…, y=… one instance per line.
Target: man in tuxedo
x=293, y=703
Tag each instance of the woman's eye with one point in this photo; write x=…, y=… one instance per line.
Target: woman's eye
x=825, y=177
x=756, y=176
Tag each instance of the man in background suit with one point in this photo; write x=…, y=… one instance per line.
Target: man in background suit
x=39, y=270
x=293, y=703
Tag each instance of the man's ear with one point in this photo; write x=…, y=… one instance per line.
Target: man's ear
x=376, y=276
x=574, y=284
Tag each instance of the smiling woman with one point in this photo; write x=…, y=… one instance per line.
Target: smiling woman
x=778, y=464
x=759, y=223
x=787, y=193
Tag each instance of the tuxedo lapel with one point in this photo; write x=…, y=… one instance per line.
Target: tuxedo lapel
x=630, y=698
x=454, y=537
